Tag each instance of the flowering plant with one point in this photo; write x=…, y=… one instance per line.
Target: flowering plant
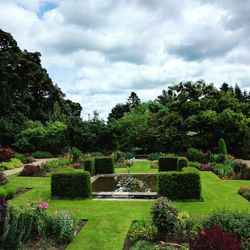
x=40, y=206
x=77, y=165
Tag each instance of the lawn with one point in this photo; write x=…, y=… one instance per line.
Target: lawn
x=108, y=221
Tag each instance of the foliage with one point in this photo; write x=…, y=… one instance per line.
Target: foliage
x=164, y=214
x=71, y=184
x=3, y=211
x=154, y=156
x=218, y=158
x=222, y=148
x=239, y=168
x=168, y=163
x=55, y=164
x=89, y=165
x=13, y=163
x=205, y=167
x=194, y=154
x=180, y=185
x=244, y=192
x=42, y=154
x=235, y=222
x=141, y=230
x=128, y=155
x=3, y=193
x=5, y=154
x=182, y=163
x=104, y=165
x=143, y=245
x=215, y=238
x=11, y=191
x=75, y=154
x=222, y=169
x=3, y=178
x=31, y=171
x=23, y=158
x=194, y=164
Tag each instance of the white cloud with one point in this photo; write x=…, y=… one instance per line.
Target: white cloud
x=99, y=51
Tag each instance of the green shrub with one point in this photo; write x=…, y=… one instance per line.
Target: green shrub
x=218, y=158
x=141, y=230
x=235, y=222
x=143, y=245
x=154, y=156
x=3, y=178
x=129, y=155
x=3, y=193
x=42, y=154
x=71, y=184
x=164, y=214
x=222, y=148
x=104, y=165
x=180, y=185
x=168, y=163
x=194, y=164
x=75, y=154
x=194, y=154
x=11, y=191
x=182, y=163
x=239, y=168
x=13, y=163
x=89, y=165
x=222, y=169
x=55, y=164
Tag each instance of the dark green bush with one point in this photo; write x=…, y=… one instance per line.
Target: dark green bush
x=222, y=148
x=180, y=185
x=154, y=156
x=194, y=154
x=42, y=154
x=71, y=184
x=129, y=155
x=104, y=165
x=182, y=163
x=168, y=163
x=89, y=165
x=75, y=154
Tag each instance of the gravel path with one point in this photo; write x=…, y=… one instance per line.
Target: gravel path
x=36, y=163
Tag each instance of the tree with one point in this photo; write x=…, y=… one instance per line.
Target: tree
x=133, y=100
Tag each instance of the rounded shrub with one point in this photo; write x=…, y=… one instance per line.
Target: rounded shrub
x=11, y=191
x=222, y=148
x=182, y=163
x=194, y=154
x=31, y=170
x=3, y=193
x=164, y=214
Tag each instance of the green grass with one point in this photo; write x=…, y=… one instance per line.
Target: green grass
x=108, y=221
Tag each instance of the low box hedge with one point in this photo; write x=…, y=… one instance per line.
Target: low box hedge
x=89, y=165
x=182, y=163
x=168, y=163
x=104, y=165
x=180, y=185
x=71, y=184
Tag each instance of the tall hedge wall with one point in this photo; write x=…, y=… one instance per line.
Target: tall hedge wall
x=71, y=184
x=168, y=163
x=104, y=165
x=89, y=165
x=180, y=185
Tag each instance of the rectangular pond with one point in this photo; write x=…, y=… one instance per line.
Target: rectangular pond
x=125, y=186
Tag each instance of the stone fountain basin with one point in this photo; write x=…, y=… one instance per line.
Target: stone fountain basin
x=104, y=187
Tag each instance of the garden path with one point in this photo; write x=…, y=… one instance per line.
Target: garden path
x=36, y=162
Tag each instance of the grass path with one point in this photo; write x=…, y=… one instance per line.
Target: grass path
x=108, y=221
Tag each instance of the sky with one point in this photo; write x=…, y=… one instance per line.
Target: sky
x=99, y=51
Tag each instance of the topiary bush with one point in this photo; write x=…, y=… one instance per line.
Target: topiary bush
x=71, y=184
x=180, y=185
x=194, y=154
x=89, y=165
x=164, y=214
x=32, y=171
x=222, y=148
x=3, y=178
x=168, y=163
x=182, y=163
x=104, y=165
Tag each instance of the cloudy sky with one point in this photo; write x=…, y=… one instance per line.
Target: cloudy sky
x=98, y=51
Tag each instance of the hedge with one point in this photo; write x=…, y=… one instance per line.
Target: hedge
x=104, y=165
x=182, y=163
x=180, y=185
x=168, y=163
x=89, y=165
x=71, y=184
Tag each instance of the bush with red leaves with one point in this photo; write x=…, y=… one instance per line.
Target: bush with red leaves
x=31, y=170
x=205, y=167
x=215, y=238
x=6, y=154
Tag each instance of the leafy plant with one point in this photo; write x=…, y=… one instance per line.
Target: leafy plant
x=11, y=191
x=239, y=168
x=194, y=154
x=154, y=156
x=13, y=163
x=5, y=154
x=143, y=245
x=42, y=154
x=141, y=230
x=3, y=178
x=55, y=164
x=164, y=214
x=129, y=155
x=215, y=238
x=3, y=193
x=75, y=154
x=31, y=170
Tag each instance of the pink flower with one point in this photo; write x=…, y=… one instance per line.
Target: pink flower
x=46, y=205
x=40, y=206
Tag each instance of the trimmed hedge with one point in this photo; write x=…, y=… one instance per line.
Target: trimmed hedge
x=182, y=163
x=89, y=165
x=180, y=185
x=104, y=165
x=168, y=163
x=71, y=184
